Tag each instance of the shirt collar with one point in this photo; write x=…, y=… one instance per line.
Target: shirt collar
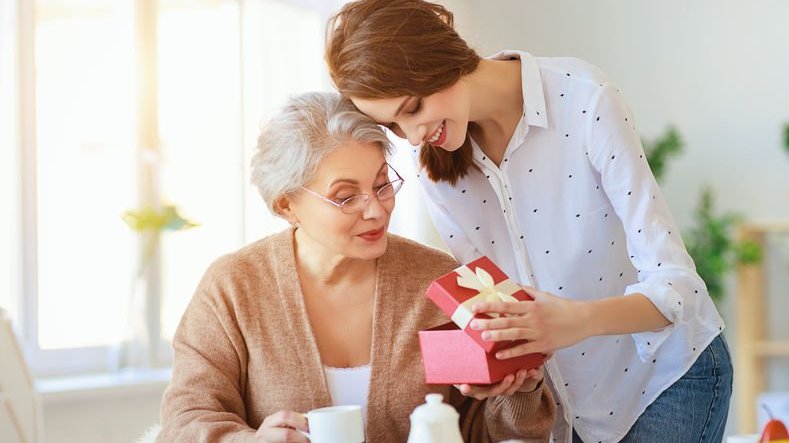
x=531, y=84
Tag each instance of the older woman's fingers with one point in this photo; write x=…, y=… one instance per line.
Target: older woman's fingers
x=280, y=435
x=286, y=419
x=520, y=377
x=483, y=392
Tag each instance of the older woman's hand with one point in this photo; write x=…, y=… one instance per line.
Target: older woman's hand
x=281, y=427
x=523, y=381
x=548, y=322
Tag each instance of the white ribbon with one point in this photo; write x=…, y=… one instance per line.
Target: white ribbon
x=488, y=291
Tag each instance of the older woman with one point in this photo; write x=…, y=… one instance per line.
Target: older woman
x=277, y=327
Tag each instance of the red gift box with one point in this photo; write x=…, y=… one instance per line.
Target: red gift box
x=450, y=356
x=455, y=353
x=483, y=281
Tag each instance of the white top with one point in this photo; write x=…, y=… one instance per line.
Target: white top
x=574, y=210
x=348, y=386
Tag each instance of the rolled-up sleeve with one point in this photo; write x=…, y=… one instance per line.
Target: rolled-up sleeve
x=666, y=273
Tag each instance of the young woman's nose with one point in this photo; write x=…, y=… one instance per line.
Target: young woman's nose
x=416, y=134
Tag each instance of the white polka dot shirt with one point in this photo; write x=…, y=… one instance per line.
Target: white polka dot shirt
x=573, y=209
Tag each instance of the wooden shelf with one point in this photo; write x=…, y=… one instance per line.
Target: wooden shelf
x=753, y=345
x=771, y=348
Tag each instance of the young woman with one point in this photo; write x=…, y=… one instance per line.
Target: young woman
x=326, y=312
x=536, y=163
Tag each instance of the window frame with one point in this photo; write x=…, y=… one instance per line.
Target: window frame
x=95, y=359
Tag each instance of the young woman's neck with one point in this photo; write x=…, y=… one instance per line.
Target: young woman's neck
x=327, y=268
x=496, y=104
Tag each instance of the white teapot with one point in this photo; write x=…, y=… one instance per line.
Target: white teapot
x=435, y=422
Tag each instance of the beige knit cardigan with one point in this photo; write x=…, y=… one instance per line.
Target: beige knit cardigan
x=245, y=350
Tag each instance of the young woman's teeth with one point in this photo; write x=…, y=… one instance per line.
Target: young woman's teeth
x=435, y=136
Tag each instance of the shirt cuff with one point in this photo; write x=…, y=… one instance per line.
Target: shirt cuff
x=670, y=304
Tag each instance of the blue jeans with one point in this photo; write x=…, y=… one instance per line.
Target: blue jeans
x=693, y=409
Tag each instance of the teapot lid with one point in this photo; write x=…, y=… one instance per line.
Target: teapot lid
x=435, y=410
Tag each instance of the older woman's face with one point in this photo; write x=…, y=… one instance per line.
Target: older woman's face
x=348, y=170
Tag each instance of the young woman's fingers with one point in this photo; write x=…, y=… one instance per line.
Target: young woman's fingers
x=502, y=307
x=510, y=334
x=531, y=347
x=497, y=323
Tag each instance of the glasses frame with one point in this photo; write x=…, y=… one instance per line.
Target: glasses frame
x=366, y=196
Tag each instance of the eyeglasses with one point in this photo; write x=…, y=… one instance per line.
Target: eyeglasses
x=358, y=202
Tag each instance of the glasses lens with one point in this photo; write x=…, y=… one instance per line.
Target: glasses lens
x=354, y=204
x=389, y=190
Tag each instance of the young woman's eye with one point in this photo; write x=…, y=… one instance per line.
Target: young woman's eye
x=417, y=107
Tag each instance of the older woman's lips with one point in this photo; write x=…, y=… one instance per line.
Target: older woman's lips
x=373, y=235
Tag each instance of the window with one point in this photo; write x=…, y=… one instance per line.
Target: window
x=135, y=103
x=9, y=161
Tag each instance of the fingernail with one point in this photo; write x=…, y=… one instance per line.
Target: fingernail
x=486, y=335
x=500, y=355
x=474, y=324
x=476, y=308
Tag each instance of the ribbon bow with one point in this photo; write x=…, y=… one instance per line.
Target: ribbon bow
x=488, y=291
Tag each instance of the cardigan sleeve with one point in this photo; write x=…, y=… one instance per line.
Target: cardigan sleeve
x=204, y=402
x=526, y=416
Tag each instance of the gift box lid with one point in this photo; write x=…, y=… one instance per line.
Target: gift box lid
x=478, y=281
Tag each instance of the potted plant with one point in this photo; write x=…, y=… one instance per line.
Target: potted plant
x=140, y=345
x=709, y=239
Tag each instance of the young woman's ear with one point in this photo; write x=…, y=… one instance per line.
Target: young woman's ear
x=283, y=206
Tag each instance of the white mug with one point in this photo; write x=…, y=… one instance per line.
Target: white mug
x=336, y=424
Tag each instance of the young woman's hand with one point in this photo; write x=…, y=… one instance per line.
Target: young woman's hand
x=523, y=381
x=281, y=427
x=549, y=322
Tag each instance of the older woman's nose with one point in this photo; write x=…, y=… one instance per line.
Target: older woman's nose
x=374, y=208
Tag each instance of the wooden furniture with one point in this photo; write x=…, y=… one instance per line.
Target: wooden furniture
x=753, y=347
x=20, y=414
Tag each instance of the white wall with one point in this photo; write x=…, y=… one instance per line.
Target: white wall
x=717, y=70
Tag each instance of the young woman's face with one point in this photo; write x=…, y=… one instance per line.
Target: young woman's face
x=440, y=119
x=347, y=171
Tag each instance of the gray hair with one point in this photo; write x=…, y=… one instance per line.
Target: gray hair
x=301, y=134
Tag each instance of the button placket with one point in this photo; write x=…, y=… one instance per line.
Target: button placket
x=516, y=236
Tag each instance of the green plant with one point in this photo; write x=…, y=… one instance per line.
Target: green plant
x=786, y=137
x=151, y=222
x=661, y=150
x=140, y=346
x=709, y=239
x=709, y=242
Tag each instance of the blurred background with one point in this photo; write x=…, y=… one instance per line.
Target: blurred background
x=126, y=128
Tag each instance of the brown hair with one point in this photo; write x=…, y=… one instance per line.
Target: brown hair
x=395, y=48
